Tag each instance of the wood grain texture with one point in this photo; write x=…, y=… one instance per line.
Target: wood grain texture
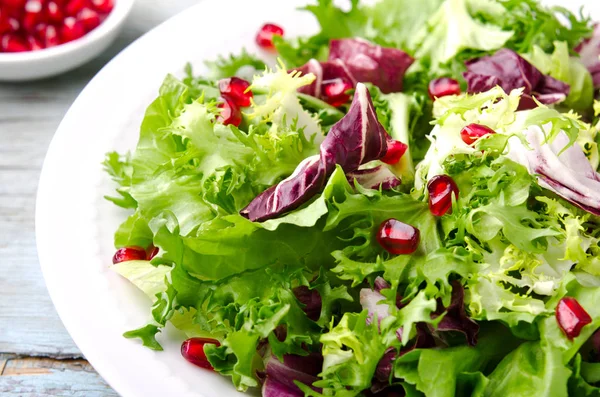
x=27, y=376
x=37, y=356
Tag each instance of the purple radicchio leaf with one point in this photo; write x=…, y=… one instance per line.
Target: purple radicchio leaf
x=324, y=71
x=375, y=178
x=358, y=61
x=380, y=284
x=511, y=71
x=455, y=318
x=595, y=347
x=370, y=63
x=280, y=376
x=589, y=51
x=311, y=299
x=383, y=371
x=566, y=172
x=356, y=139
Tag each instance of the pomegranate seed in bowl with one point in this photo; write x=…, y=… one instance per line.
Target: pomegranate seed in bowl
x=89, y=18
x=443, y=86
x=49, y=36
x=193, y=351
x=441, y=188
x=264, y=38
x=34, y=43
x=13, y=3
x=236, y=89
x=398, y=238
x=71, y=29
x=12, y=43
x=103, y=6
x=73, y=7
x=54, y=12
x=33, y=15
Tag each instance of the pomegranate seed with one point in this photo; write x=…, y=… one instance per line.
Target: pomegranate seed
x=441, y=188
x=35, y=44
x=442, y=87
x=571, y=317
x=398, y=238
x=8, y=25
x=129, y=254
x=264, y=38
x=193, y=351
x=151, y=252
x=335, y=91
x=236, y=89
x=13, y=3
x=471, y=133
x=33, y=15
x=48, y=35
x=72, y=29
x=103, y=6
x=13, y=43
x=12, y=25
x=395, y=151
x=89, y=18
x=230, y=113
x=74, y=6
x=54, y=12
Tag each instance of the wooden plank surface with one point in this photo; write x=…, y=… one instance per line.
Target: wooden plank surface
x=37, y=356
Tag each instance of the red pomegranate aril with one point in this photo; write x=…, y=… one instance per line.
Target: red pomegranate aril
x=441, y=188
x=13, y=3
x=54, y=12
x=89, y=18
x=49, y=35
x=334, y=91
x=72, y=29
x=230, y=113
x=151, y=252
x=571, y=317
x=193, y=351
x=13, y=43
x=33, y=15
x=74, y=6
x=264, y=38
x=103, y=6
x=395, y=151
x=13, y=25
x=472, y=132
x=35, y=44
x=129, y=254
x=443, y=86
x=397, y=237
x=8, y=25
x=236, y=89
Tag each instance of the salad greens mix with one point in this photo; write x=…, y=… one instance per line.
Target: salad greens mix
x=406, y=204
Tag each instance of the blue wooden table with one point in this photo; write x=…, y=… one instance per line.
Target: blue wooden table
x=37, y=356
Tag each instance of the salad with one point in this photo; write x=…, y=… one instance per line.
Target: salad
x=406, y=204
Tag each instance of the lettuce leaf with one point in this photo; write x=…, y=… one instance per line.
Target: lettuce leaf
x=570, y=70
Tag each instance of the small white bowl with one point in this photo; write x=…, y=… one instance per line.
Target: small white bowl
x=31, y=65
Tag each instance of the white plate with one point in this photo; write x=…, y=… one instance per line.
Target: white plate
x=75, y=225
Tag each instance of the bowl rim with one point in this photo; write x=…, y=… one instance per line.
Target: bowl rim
x=113, y=21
